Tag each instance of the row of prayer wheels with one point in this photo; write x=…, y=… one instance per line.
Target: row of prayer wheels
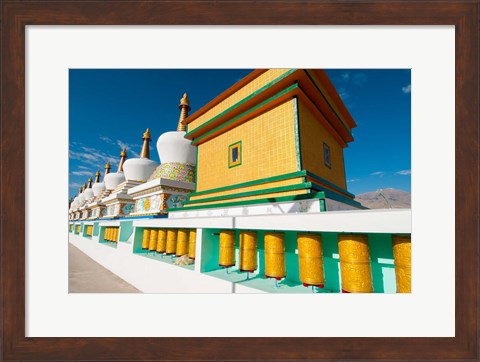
x=355, y=267
x=111, y=234
x=89, y=231
x=177, y=242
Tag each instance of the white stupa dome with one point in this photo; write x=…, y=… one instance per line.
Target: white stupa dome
x=88, y=193
x=81, y=197
x=98, y=186
x=174, y=147
x=113, y=179
x=140, y=169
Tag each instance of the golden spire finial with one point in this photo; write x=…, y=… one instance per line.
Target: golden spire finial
x=80, y=190
x=184, y=107
x=89, y=183
x=146, y=147
x=84, y=186
x=97, y=176
x=123, y=156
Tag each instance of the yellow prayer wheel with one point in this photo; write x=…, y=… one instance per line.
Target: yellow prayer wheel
x=152, y=246
x=146, y=239
x=275, y=255
x=171, y=246
x=355, y=266
x=182, y=242
x=114, y=234
x=310, y=259
x=248, y=251
x=161, y=241
x=192, y=243
x=117, y=233
x=402, y=255
x=107, y=232
x=227, y=248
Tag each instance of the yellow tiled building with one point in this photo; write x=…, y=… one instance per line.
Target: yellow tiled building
x=276, y=135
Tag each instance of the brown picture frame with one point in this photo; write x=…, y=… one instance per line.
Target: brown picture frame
x=17, y=14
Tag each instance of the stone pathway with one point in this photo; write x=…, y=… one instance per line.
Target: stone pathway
x=87, y=276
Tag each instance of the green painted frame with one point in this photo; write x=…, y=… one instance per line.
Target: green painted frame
x=238, y=145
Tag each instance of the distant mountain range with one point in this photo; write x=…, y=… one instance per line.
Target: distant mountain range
x=385, y=199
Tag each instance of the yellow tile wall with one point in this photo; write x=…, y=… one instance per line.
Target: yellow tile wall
x=268, y=149
x=319, y=84
x=294, y=181
x=248, y=198
x=242, y=93
x=312, y=136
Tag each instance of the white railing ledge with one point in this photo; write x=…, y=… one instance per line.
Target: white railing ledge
x=197, y=222
x=391, y=221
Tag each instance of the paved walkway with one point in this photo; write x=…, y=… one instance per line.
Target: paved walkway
x=87, y=276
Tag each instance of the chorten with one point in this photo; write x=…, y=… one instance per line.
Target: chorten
x=131, y=173
x=100, y=191
x=88, y=198
x=173, y=179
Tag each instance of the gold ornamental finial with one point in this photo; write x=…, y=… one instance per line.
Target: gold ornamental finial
x=89, y=183
x=84, y=186
x=123, y=156
x=97, y=176
x=184, y=107
x=146, y=147
x=107, y=167
x=80, y=191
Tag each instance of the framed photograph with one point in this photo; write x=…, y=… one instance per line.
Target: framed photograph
x=43, y=41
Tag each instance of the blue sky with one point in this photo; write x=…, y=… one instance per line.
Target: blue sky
x=110, y=109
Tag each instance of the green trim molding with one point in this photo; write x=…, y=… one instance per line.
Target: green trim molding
x=296, y=120
x=337, y=197
x=328, y=183
x=250, y=183
x=223, y=125
x=239, y=103
x=326, y=100
x=305, y=185
x=317, y=195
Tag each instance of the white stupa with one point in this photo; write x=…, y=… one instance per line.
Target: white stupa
x=134, y=172
x=81, y=197
x=100, y=191
x=112, y=180
x=140, y=169
x=88, y=193
x=171, y=182
x=98, y=186
x=177, y=155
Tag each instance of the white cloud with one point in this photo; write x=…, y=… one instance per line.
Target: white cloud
x=75, y=184
x=353, y=180
x=345, y=76
x=404, y=172
x=407, y=89
x=377, y=173
x=82, y=173
x=106, y=139
x=90, y=156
